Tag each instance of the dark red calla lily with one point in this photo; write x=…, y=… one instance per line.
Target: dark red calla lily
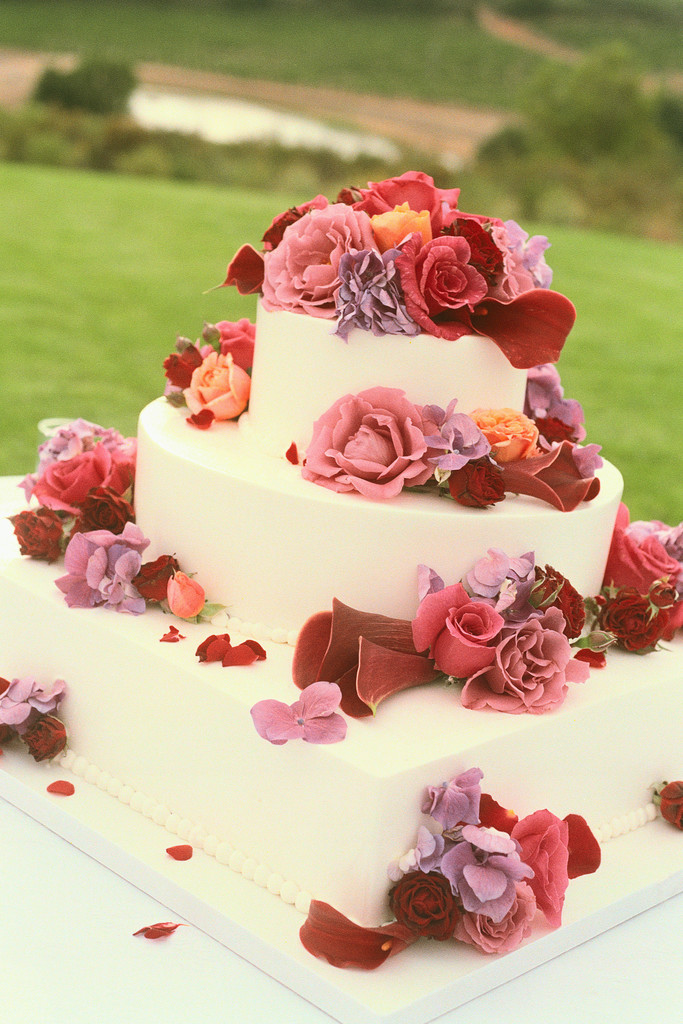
x=530, y=329
x=584, y=850
x=494, y=815
x=552, y=477
x=329, y=935
x=245, y=271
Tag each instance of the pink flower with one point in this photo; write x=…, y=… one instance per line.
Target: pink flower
x=219, y=386
x=237, y=339
x=544, y=842
x=185, y=596
x=301, y=274
x=438, y=280
x=458, y=631
x=312, y=718
x=636, y=559
x=532, y=667
x=24, y=698
x=491, y=937
x=372, y=443
x=65, y=483
x=417, y=190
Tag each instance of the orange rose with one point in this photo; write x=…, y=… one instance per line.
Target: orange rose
x=392, y=227
x=185, y=596
x=511, y=434
x=219, y=385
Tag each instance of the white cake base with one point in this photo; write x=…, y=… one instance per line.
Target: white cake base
x=639, y=870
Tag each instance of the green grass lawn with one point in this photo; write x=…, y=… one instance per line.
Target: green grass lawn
x=100, y=272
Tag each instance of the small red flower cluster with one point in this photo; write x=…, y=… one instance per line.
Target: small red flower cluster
x=44, y=533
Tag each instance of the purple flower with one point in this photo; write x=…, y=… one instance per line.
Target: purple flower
x=530, y=253
x=370, y=295
x=456, y=801
x=483, y=870
x=425, y=856
x=503, y=582
x=456, y=434
x=428, y=582
x=587, y=459
x=20, y=698
x=545, y=400
x=311, y=718
x=101, y=567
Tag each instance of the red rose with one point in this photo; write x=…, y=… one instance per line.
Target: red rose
x=103, y=509
x=180, y=366
x=46, y=738
x=485, y=256
x=637, y=624
x=66, y=483
x=478, y=484
x=438, y=281
x=39, y=533
x=425, y=904
x=669, y=797
x=152, y=580
x=416, y=189
x=237, y=338
x=6, y=733
x=634, y=563
x=553, y=590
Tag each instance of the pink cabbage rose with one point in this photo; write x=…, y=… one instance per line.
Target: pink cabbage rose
x=64, y=484
x=237, y=339
x=220, y=386
x=418, y=190
x=372, y=443
x=544, y=841
x=532, y=667
x=458, y=631
x=438, y=280
x=491, y=937
x=635, y=560
x=301, y=274
x=185, y=596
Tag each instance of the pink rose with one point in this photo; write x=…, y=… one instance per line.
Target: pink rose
x=458, y=631
x=185, y=596
x=544, y=841
x=219, y=386
x=372, y=443
x=637, y=560
x=479, y=930
x=532, y=667
x=237, y=339
x=301, y=274
x=417, y=190
x=438, y=281
x=65, y=483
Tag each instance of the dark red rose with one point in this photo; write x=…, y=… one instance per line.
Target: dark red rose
x=425, y=904
x=662, y=594
x=180, y=366
x=596, y=659
x=553, y=429
x=637, y=624
x=152, y=580
x=103, y=509
x=485, y=256
x=478, y=484
x=553, y=590
x=273, y=235
x=39, y=533
x=669, y=797
x=6, y=733
x=46, y=738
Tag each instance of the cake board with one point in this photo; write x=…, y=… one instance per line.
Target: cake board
x=639, y=870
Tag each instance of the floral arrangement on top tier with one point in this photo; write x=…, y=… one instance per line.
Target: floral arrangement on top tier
x=480, y=879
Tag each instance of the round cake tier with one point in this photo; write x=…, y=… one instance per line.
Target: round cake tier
x=301, y=368
x=275, y=548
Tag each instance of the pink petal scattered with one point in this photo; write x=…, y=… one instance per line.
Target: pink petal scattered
x=62, y=787
x=181, y=852
x=158, y=931
x=172, y=637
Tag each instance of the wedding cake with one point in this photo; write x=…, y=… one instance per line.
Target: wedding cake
x=393, y=569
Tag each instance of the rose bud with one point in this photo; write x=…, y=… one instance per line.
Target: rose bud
x=185, y=596
x=668, y=797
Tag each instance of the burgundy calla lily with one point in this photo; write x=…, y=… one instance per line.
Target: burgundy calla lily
x=530, y=329
x=552, y=477
x=245, y=271
x=329, y=935
x=369, y=656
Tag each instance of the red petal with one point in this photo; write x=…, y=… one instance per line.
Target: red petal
x=292, y=454
x=382, y=671
x=157, y=931
x=182, y=852
x=552, y=477
x=328, y=934
x=244, y=654
x=172, y=637
x=62, y=787
x=529, y=330
x=584, y=849
x=202, y=420
x=493, y=815
x=596, y=659
x=245, y=271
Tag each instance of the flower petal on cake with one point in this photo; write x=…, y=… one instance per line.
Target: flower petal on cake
x=245, y=653
x=329, y=935
x=245, y=271
x=529, y=330
x=62, y=787
x=552, y=477
x=584, y=850
x=158, y=931
x=382, y=672
x=181, y=852
x=494, y=815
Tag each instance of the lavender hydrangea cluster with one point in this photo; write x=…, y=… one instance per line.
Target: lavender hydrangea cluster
x=23, y=700
x=503, y=582
x=457, y=436
x=370, y=295
x=100, y=569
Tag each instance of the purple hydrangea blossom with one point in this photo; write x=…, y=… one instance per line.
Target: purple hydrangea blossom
x=370, y=296
x=23, y=699
x=545, y=400
x=425, y=856
x=503, y=582
x=428, y=582
x=71, y=440
x=458, y=437
x=312, y=718
x=455, y=802
x=483, y=870
x=587, y=459
x=100, y=569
